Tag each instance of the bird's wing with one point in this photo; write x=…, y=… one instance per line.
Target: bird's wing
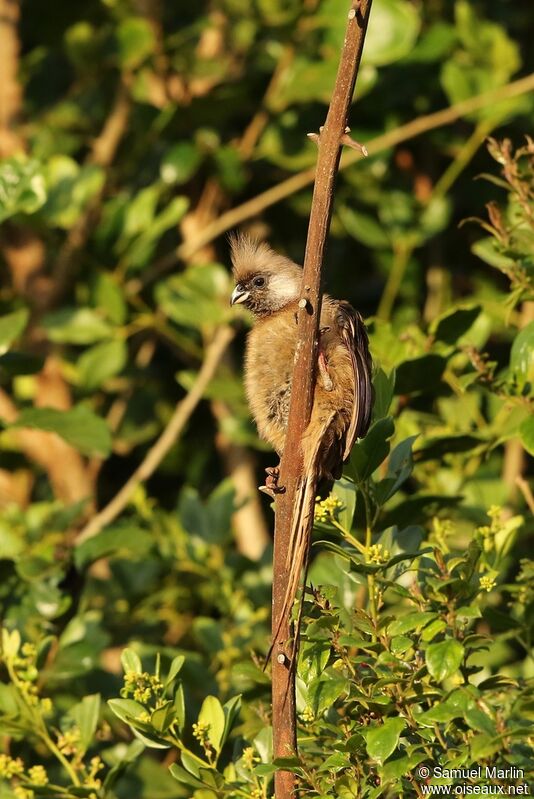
x=354, y=336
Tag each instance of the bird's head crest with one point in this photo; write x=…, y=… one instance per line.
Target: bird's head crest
x=265, y=280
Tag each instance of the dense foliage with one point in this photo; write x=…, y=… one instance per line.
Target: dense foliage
x=131, y=660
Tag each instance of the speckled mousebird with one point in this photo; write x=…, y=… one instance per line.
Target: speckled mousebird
x=269, y=285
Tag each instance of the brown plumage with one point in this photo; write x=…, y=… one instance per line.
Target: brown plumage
x=270, y=286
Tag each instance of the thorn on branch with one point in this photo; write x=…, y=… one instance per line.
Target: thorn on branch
x=345, y=139
x=348, y=142
x=355, y=8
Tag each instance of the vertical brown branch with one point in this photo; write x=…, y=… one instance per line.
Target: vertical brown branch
x=329, y=144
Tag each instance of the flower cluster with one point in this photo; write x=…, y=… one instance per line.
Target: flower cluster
x=250, y=758
x=142, y=686
x=21, y=660
x=10, y=767
x=307, y=715
x=68, y=742
x=487, y=582
x=13, y=771
x=377, y=554
x=200, y=731
x=37, y=776
x=327, y=509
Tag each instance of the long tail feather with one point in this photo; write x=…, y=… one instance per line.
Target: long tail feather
x=301, y=527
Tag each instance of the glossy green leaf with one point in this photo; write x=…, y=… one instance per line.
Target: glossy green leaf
x=382, y=741
x=85, y=715
x=369, y=453
x=212, y=714
x=444, y=658
x=131, y=662
x=522, y=356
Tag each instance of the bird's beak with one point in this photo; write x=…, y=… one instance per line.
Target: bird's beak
x=239, y=294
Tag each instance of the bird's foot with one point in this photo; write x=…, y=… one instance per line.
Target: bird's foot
x=271, y=487
x=323, y=372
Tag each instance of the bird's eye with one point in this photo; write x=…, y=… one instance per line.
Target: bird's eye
x=259, y=281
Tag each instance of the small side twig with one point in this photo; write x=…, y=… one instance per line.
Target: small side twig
x=167, y=439
x=235, y=216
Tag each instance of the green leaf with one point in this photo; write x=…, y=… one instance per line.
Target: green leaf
x=382, y=741
x=369, y=453
x=11, y=326
x=85, y=715
x=179, y=706
x=126, y=710
x=76, y=326
x=345, y=491
x=444, y=658
x=526, y=434
x=364, y=228
x=22, y=187
x=136, y=41
x=131, y=661
x=231, y=710
x=108, y=297
x=212, y=714
x=410, y=622
x=522, y=356
x=400, y=467
x=101, y=362
x=452, y=325
x=174, y=669
x=185, y=777
x=384, y=387
x=19, y=363
x=325, y=690
x=197, y=297
x=118, y=540
x=392, y=31
x=142, y=248
x=11, y=642
x=70, y=189
x=420, y=374
x=162, y=718
x=180, y=163
x=79, y=427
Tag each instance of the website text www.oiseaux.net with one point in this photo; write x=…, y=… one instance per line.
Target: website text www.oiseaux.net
x=474, y=781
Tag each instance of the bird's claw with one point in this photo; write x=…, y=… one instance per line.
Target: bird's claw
x=271, y=487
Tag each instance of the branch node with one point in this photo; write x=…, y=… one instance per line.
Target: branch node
x=282, y=659
x=314, y=137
